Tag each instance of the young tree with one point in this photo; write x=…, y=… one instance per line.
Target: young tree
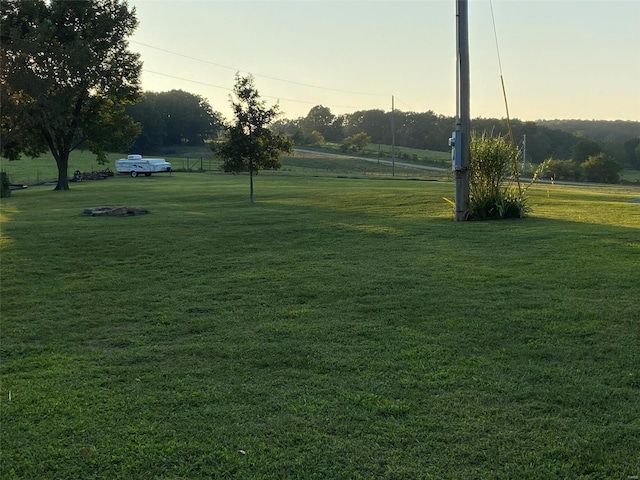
x=66, y=75
x=249, y=145
x=356, y=143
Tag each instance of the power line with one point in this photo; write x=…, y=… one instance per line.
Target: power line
x=411, y=109
x=495, y=36
x=187, y=80
x=231, y=90
x=257, y=74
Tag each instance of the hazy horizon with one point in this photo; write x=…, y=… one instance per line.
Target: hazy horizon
x=561, y=60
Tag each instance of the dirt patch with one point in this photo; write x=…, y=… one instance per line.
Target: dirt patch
x=114, y=211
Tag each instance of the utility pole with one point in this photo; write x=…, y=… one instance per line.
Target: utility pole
x=461, y=139
x=393, y=138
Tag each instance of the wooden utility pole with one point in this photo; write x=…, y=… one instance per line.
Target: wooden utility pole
x=461, y=141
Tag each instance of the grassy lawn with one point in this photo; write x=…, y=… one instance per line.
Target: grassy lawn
x=37, y=171
x=631, y=176
x=339, y=328
x=403, y=154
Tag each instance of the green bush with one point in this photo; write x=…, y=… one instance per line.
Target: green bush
x=356, y=143
x=601, y=168
x=493, y=161
x=5, y=185
x=566, y=170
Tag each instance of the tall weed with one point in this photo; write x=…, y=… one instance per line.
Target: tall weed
x=493, y=165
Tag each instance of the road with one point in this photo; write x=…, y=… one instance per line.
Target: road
x=440, y=169
x=377, y=160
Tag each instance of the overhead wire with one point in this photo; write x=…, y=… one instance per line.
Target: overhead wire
x=504, y=94
x=292, y=82
x=231, y=90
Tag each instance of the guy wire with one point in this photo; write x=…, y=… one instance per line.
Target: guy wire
x=504, y=94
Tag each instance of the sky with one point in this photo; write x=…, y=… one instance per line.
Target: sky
x=559, y=59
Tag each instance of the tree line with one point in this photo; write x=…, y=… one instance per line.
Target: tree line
x=428, y=130
x=171, y=119
x=180, y=118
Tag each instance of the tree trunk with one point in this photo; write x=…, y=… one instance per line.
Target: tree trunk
x=251, y=182
x=62, y=160
x=250, y=167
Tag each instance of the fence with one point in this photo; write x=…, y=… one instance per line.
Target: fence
x=197, y=164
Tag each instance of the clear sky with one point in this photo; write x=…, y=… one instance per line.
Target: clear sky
x=560, y=59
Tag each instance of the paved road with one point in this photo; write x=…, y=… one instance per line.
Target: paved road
x=377, y=160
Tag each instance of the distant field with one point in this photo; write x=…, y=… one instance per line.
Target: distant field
x=631, y=176
x=36, y=171
x=404, y=154
x=339, y=328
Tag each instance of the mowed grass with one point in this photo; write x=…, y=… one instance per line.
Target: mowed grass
x=339, y=328
x=27, y=171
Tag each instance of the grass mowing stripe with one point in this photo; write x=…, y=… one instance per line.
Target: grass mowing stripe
x=337, y=329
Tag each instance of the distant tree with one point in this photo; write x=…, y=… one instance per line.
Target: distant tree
x=632, y=152
x=319, y=119
x=356, y=143
x=375, y=123
x=335, y=132
x=601, y=168
x=316, y=138
x=286, y=126
x=153, y=128
x=584, y=149
x=566, y=170
x=188, y=118
x=66, y=75
x=249, y=145
x=173, y=118
x=616, y=131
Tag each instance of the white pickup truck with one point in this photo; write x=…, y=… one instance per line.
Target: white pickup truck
x=135, y=165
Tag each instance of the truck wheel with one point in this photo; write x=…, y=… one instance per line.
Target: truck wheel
x=147, y=174
x=134, y=174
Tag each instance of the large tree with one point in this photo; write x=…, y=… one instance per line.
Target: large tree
x=173, y=118
x=188, y=118
x=249, y=144
x=67, y=73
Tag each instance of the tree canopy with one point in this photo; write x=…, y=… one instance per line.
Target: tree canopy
x=249, y=144
x=173, y=118
x=66, y=75
x=558, y=139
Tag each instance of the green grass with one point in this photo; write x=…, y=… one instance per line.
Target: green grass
x=339, y=328
x=29, y=171
x=318, y=164
x=403, y=154
x=631, y=176
x=34, y=171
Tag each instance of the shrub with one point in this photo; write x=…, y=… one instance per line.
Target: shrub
x=493, y=161
x=315, y=138
x=356, y=143
x=562, y=170
x=601, y=168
